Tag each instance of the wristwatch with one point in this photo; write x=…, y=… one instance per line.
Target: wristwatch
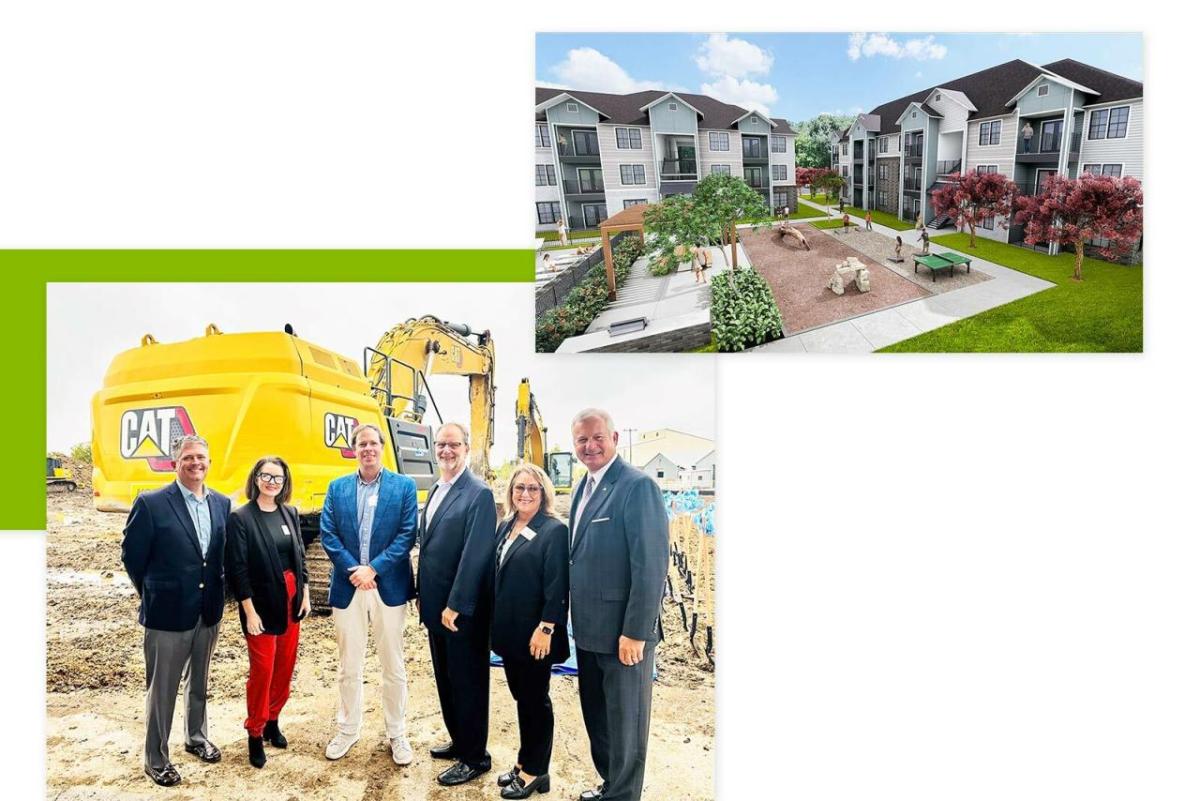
x=547, y=629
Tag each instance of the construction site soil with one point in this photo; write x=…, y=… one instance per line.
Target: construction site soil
x=95, y=702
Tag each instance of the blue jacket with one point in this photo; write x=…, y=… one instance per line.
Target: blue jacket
x=177, y=584
x=392, y=535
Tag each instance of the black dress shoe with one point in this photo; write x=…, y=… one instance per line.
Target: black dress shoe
x=258, y=757
x=506, y=779
x=461, y=773
x=206, y=751
x=519, y=789
x=273, y=735
x=167, y=777
x=593, y=795
x=443, y=751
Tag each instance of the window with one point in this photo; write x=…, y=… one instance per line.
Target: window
x=672, y=107
x=988, y=224
x=937, y=98
x=753, y=176
x=883, y=144
x=1103, y=169
x=633, y=174
x=752, y=147
x=544, y=175
x=629, y=139
x=590, y=180
x=548, y=213
x=778, y=144
x=637, y=201
x=845, y=171
x=754, y=120
x=573, y=108
x=718, y=140
x=1109, y=123
x=541, y=135
x=720, y=169
x=989, y=133
x=1043, y=90
x=586, y=143
x=844, y=151
x=778, y=172
x=983, y=169
x=780, y=199
x=912, y=116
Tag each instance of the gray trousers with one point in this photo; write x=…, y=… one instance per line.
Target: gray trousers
x=172, y=656
x=616, y=712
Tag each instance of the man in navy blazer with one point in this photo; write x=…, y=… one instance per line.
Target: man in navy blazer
x=618, y=569
x=454, y=570
x=173, y=551
x=368, y=524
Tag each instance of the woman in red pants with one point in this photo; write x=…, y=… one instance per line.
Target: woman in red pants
x=264, y=562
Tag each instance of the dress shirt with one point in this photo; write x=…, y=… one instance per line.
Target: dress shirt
x=595, y=478
x=368, y=499
x=197, y=506
x=439, y=494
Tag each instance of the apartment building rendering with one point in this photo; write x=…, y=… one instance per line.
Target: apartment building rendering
x=596, y=153
x=1017, y=119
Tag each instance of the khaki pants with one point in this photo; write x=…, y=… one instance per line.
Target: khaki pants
x=365, y=612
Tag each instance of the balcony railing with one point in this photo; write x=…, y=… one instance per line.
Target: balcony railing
x=1046, y=143
x=912, y=185
x=589, y=150
x=578, y=223
x=754, y=153
x=678, y=170
x=572, y=187
x=949, y=167
x=914, y=151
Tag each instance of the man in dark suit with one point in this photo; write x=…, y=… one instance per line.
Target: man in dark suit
x=458, y=530
x=368, y=524
x=173, y=552
x=618, y=568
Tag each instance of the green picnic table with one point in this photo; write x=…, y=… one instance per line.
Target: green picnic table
x=942, y=261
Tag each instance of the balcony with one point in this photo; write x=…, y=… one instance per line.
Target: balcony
x=577, y=222
x=1045, y=149
x=572, y=187
x=913, y=185
x=588, y=152
x=678, y=170
x=914, y=151
x=949, y=167
x=753, y=153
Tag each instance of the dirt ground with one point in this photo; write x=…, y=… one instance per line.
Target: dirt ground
x=798, y=277
x=95, y=703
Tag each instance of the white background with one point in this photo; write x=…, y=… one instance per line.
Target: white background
x=940, y=577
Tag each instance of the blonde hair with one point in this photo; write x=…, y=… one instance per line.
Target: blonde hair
x=528, y=468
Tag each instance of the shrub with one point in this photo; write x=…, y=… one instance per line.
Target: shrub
x=586, y=300
x=744, y=312
x=82, y=452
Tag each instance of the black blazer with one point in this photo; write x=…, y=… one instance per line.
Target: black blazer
x=177, y=583
x=256, y=571
x=456, y=558
x=531, y=586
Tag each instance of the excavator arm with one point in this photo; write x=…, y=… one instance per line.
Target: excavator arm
x=531, y=431
x=425, y=346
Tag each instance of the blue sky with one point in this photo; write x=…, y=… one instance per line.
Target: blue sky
x=800, y=75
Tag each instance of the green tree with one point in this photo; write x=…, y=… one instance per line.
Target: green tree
x=812, y=138
x=678, y=221
x=725, y=200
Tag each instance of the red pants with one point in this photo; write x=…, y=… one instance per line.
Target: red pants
x=272, y=660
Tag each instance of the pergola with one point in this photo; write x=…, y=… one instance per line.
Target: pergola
x=627, y=219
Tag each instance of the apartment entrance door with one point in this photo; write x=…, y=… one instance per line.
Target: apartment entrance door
x=593, y=214
x=1042, y=175
x=687, y=158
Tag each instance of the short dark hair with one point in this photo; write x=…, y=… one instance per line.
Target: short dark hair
x=284, y=495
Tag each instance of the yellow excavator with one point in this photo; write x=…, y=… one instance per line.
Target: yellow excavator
x=262, y=393
x=532, y=443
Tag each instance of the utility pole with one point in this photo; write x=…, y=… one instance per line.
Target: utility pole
x=629, y=435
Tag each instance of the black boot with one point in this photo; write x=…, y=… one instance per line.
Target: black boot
x=258, y=757
x=273, y=735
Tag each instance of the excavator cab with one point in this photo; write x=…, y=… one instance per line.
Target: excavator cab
x=560, y=467
x=56, y=475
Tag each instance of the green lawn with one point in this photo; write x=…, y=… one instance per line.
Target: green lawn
x=1102, y=313
x=590, y=233
x=882, y=217
x=830, y=223
x=824, y=200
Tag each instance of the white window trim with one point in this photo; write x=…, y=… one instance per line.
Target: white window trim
x=549, y=137
x=1107, y=122
x=979, y=131
x=621, y=173
x=1043, y=90
x=628, y=131
x=718, y=135
x=633, y=201
x=572, y=108
x=1103, y=164
x=728, y=169
x=672, y=107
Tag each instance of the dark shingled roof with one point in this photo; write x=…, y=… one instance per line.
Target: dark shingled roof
x=624, y=109
x=992, y=88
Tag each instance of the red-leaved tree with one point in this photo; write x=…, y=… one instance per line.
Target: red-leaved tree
x=975, y=197
x=1070, y=211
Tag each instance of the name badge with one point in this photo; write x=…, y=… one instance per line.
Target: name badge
x=286, y=531
x=528, y=533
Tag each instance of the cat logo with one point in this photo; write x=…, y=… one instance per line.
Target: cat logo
x=148, y=434
x=337, y=433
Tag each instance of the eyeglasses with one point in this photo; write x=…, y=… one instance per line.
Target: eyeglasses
x=451, y=445
x=267, y=478
x=523, y=489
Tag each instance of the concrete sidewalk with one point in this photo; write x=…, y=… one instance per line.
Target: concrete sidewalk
x=874, y=330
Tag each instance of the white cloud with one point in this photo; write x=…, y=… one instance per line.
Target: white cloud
x=738, y=58
x=588, y=69
x=745, y=93
x=880, y=44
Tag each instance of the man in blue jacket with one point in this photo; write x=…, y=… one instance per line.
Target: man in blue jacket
x=173, y=551
x=368, y=525
x=618, y=568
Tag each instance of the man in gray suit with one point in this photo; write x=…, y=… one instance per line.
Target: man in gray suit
x=618, y=568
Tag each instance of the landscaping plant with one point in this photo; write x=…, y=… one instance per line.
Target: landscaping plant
x=975, y=197
x=586, y=300
x=744, y=312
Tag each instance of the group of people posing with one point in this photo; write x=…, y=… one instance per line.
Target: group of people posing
x=481, y=585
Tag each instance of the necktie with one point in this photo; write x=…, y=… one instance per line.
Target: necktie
x=587, y=494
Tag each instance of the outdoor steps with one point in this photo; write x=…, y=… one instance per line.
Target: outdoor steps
x=941, y=221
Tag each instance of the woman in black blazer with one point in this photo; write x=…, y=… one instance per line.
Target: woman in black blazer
x=264, y=562
x=529, y=624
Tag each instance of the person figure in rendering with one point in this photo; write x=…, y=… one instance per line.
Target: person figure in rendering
x=264, y=561
x=868, y=219
x=454, y=581
x=368, y=525
x=899, y=248
x=924, y=242
x=618, y=570
x=1027, y=136
x=529, y=624
x=562, y=232
x=845, y=223
x=173, y=551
